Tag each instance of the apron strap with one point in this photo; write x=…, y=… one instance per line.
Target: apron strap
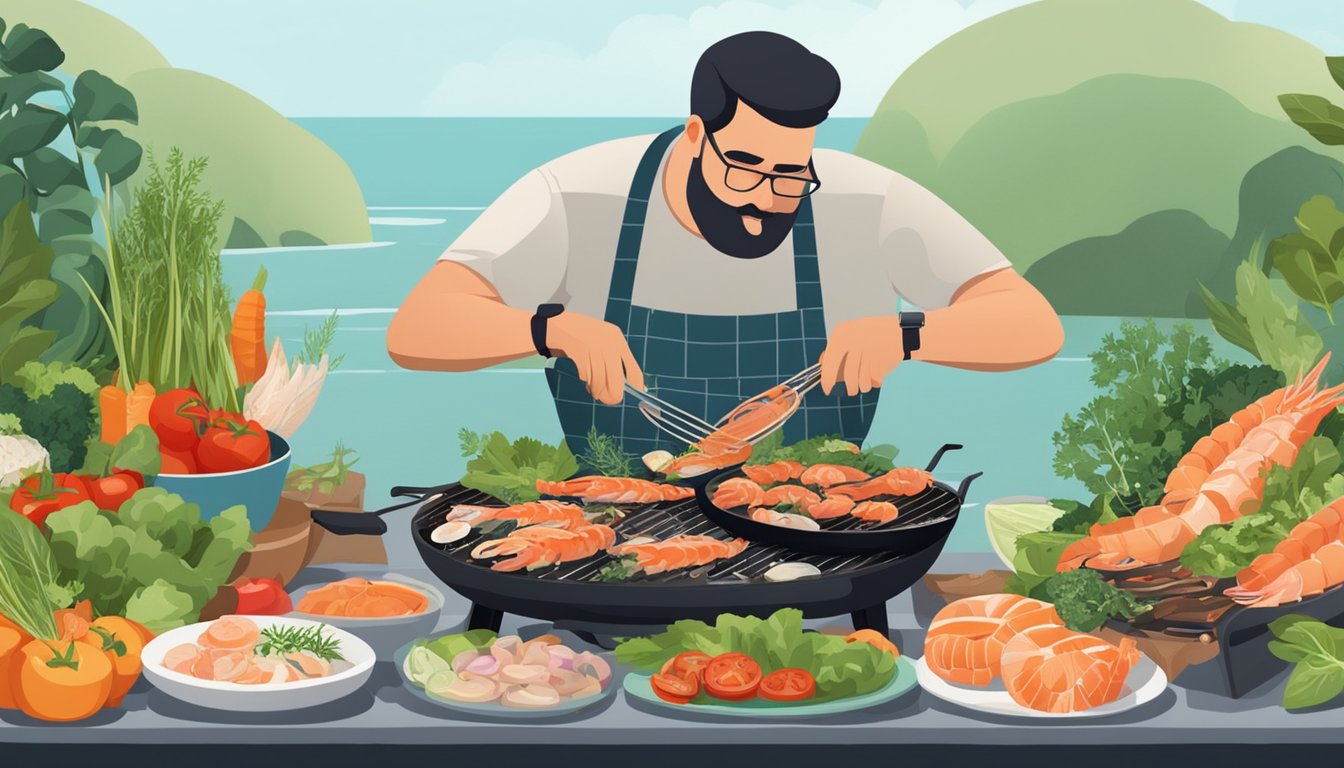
x=806, y=274
x=632, y=229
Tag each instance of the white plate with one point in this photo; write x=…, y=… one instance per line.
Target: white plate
x=1146, y=682
x=269, y=697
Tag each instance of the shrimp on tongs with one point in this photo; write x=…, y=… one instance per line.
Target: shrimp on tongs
x=729, y=440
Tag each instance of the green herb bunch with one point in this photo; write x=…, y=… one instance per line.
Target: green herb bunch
x=279, y=639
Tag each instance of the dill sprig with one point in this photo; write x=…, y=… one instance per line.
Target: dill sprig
x=605, y=456
x=316, y=343
x=279, y=639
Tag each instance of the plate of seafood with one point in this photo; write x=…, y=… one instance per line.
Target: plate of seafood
x=1026, y=663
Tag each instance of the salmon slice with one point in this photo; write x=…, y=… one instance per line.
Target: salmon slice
x=776, y=472
x=615, y=490
x=681, y=551
x=826, y=475
x=738, y=492
x=790, y=494
x=875, y=511
x=831, y=507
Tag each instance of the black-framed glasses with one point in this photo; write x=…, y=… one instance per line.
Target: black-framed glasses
x=742, y=179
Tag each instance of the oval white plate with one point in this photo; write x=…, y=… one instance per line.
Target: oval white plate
x=269, y=697
x=1146, y=682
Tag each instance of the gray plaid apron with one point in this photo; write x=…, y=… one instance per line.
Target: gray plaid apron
x=707, y=364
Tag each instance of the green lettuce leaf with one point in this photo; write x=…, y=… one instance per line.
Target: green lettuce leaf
x=510, y=471
x=1316, y=651
x=161, y=606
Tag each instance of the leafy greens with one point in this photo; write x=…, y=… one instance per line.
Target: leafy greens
x=824, y=449
x=841, y=669
x=510, y=471
x=1316, y=651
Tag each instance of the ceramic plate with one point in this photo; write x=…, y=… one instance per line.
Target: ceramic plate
x=638, y=686
x=1146, y=682
x=500, y=711
x=270, y=697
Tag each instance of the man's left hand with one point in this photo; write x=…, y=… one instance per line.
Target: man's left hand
x=861, y=353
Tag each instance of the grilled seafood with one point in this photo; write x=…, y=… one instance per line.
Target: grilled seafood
x=775, y=472
x=701, y=461
x=966, y=639
x=560, y=513
x=875, y=511
x=783, y=519
x=1306, y=563
x=536, y=546
x=826, y=475
x=1051, y=668
x=901, y=481
x=614, y=490
x=831, y=507
x=738, y=492
x=796, y=495
x=681, y=551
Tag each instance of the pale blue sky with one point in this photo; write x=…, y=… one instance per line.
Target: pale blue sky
x=571, y=57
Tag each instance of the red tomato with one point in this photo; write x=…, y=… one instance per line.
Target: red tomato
x=788, y=685
x=676, y=689
x=688, y=664
x=176, y=462
x=231, y=445
x=40, y=495
x=262, y=597
x=732, y=677
x=178, y=417
x=112, y=491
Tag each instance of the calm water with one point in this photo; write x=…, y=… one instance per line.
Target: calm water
x=425, y=180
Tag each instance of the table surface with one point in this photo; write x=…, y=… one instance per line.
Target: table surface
x=383, y=712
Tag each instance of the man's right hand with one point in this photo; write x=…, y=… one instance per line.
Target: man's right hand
x=600, y=352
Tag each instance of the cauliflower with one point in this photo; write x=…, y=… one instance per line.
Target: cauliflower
x=20, y=455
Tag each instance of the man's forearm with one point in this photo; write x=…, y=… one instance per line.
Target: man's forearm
x=461, y=332
x=1001, y=325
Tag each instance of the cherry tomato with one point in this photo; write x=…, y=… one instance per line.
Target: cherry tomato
x=788, y=685
x=111, y=492
x=176, y=462
x=230, y=445
x=178, y=417
x=40, y=495
x=262, y=597
x=732, y=677
x=676, y=689
x=688, y=664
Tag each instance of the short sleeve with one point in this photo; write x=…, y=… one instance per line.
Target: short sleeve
x=519, y=243
x=931, y=249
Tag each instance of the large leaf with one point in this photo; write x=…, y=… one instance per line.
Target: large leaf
x=1310, y=271
x=30, y=50
x=1316, y=115
x=17, y=89
x=1321, y=221
x=31, y=128
x=69, y=210
x=117, y=160
x=1317, y=650
x=1284, y=339
x=48, y=169
x=13, y=187
x=25, y=290
x=99, y=97
x=1227, y=321
x=1336, y=66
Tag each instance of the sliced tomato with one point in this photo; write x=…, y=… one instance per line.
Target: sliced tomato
x=732, y=677
x=179, y=418
x=111, y=492
x=262, y=597
x=688, y=664
x=40, y=495
x=675, y=688
x=230, y=445
x=788, y=685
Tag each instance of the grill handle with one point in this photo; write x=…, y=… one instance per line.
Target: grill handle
x=366, y=523
x=937, y=457
x=966, y=486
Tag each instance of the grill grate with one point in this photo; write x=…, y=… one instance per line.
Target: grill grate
x=661, y=521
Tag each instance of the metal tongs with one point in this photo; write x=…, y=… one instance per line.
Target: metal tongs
x=691, y=429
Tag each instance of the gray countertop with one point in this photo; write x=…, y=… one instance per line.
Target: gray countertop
x=384, y=713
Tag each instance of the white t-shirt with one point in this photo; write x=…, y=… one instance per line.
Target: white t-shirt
x=551, y=237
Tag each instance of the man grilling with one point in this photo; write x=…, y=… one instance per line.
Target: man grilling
x=712, y=261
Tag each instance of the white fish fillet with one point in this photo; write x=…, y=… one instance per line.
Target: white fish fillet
x=282, y=398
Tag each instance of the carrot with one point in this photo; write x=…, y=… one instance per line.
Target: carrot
x=247, y=338
x=112, y=410
x=138, y=404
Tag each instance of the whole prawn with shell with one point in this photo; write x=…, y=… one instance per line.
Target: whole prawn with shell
x=1220, y=476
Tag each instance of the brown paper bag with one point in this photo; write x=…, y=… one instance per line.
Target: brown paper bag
x=1173, y=654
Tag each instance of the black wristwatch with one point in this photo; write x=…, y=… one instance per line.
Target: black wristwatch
x=539, y=321
x=911, y=322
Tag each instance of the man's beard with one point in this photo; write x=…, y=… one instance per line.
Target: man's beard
x=721, y=224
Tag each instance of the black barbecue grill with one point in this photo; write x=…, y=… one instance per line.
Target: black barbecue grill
x=858, y=585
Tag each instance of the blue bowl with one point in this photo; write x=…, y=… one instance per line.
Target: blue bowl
x=258, y=488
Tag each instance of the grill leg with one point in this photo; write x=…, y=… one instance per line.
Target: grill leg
x=483, y=617
x=873, y=617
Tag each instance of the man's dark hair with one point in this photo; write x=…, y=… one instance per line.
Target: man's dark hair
x=773, y=74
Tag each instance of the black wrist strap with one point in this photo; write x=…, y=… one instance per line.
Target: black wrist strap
x=544, y=313
x=911, y=323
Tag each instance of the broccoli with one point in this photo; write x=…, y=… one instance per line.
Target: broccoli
x=10, y=424
x=61, y=421
x=1085, y=601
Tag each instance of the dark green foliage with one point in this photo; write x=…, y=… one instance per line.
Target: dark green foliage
x=62, y=421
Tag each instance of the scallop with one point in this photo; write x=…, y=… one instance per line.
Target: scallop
x=524, y=674
x=474, y=691
x=656, y=461
x=535, y=696
x=641, y=540
x=453, y=530
x=791, y=571
x=594, y=666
